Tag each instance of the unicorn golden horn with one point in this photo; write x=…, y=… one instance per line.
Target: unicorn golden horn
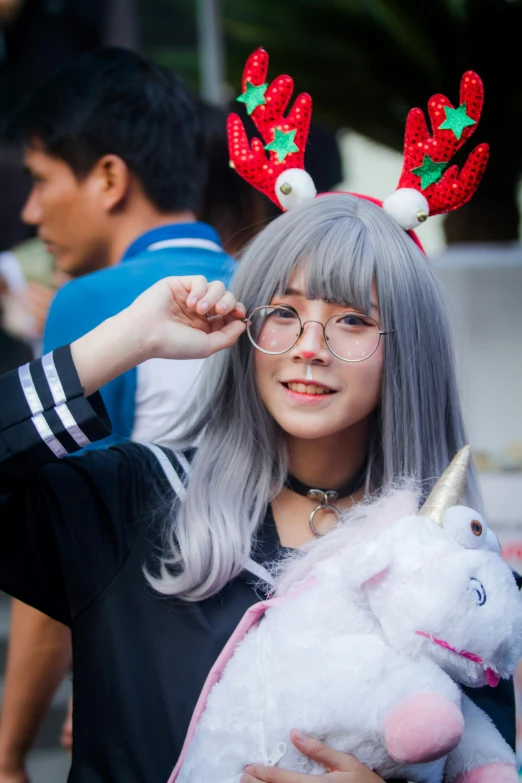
x=449, y=488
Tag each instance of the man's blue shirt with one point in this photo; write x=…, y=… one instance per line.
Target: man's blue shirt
x=176, y=249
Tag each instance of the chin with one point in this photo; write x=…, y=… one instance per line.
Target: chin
x=308, y=428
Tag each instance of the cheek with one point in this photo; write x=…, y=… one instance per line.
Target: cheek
x=364, y=380
x=265, y=367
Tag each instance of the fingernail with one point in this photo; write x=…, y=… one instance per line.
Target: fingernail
x=224, y=307
x=192, y=300
x=203, y=306
x=300, y=736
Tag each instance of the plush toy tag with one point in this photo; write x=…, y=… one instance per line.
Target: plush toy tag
x=276, y=755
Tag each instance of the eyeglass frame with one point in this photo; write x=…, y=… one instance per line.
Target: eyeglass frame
x=303, y=324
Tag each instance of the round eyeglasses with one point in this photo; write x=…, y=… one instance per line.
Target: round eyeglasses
x=351, y=337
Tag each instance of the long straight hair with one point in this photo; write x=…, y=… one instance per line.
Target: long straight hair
x=343, y=243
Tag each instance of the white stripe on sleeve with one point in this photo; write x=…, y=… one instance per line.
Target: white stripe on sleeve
x=55, y=384
x=29, y=389
x=69, y=422
x=47, y=436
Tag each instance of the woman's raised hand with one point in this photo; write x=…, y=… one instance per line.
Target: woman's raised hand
x=177, y=318
x=187, y=318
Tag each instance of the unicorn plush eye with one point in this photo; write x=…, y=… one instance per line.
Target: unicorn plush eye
x=466, y=527
x=478, y=590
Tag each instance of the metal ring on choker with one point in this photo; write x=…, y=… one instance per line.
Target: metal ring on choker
x=322, y=507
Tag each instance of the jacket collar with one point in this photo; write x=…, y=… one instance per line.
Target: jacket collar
x=173, y=231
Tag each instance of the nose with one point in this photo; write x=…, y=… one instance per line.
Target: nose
x=311, y=344
x=31, y=212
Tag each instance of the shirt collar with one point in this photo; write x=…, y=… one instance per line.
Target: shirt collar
x=171, y=231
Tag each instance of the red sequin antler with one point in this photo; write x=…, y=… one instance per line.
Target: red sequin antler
x=284, y=137
x=426, y=157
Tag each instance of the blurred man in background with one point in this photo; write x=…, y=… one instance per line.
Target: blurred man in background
x=114, y=150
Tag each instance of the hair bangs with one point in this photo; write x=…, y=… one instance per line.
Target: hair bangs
x=339, y=272
x=339, y=264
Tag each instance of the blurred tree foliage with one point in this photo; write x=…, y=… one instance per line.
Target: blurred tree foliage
x=367, y=62
x=169, y=32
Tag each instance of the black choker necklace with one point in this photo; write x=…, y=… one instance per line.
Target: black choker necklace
x=325, y=496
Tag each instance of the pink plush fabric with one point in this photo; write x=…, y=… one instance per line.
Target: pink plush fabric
x=424, y=727
x=492, y=773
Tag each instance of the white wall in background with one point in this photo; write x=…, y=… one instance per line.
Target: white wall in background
x=374, y=170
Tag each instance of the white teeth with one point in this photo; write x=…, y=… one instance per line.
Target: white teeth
x=304, y=388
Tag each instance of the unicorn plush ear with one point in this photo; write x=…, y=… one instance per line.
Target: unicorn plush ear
x=369, y=563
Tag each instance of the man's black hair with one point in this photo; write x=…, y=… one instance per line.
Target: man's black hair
x=112, y=101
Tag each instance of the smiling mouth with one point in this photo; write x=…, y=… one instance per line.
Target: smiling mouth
x=491, y=676
x=308, y=388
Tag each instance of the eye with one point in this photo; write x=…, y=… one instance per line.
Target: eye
x=354, y=320
x=283, y=313
x=466, y=527
x=476, y=527
x=479, y=590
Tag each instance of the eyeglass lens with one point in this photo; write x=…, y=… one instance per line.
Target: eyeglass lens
x=350, y=336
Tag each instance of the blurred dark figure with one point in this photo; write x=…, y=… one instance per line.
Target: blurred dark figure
x=13, y=351
x=233, y=207
x=40, y=36
x=37, y=37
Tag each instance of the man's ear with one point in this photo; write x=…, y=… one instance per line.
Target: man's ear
x=113, y=180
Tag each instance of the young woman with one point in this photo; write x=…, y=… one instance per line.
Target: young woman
x=343, y=380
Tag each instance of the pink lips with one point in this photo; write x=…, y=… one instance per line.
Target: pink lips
x=307, y=399
x=491, y=676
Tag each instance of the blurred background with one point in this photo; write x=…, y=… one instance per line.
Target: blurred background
x=365, y=63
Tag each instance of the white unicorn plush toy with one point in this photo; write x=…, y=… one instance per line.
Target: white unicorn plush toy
x=372, y=628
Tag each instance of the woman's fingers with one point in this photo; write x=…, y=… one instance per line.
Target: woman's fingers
x=195, y=287
x=340, y=767
x=226, y=304
x=214, y=293
x=196, y=293
x=256, y=773
x=226, y=336
x=331, y=759
x=334, y=761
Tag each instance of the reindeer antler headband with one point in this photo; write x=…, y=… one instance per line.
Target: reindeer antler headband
x=426, y=186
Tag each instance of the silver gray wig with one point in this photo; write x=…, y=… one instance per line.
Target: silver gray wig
x=343, y=242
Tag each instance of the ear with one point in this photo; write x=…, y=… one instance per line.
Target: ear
x=113, y=179
x=369, y=563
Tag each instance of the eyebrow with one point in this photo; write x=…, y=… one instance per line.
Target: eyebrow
x=297, y=292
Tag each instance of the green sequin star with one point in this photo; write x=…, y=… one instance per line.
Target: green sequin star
x=283, y=144
x=456, y=120
x=430, y=171
x=253, y=96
